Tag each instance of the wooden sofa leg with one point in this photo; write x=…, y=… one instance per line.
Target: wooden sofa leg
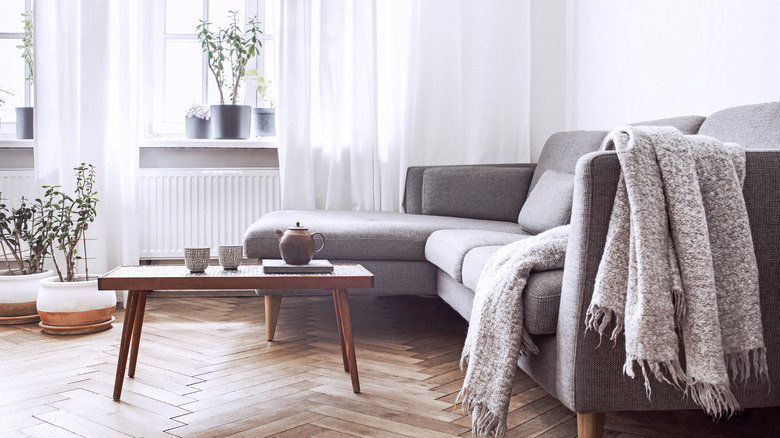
x=590, y=425
x=272, y=305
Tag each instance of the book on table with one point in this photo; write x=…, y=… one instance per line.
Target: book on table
x=278, y=266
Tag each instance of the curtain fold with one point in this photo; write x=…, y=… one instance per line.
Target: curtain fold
x=87, y=110
x=368, y=88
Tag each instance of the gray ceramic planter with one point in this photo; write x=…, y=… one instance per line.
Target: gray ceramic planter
x=197, y=128
x=265, y=121
x=24, y=122
x=231, y=121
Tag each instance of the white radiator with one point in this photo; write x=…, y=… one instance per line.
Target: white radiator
x=17, y=183
x=201, y=207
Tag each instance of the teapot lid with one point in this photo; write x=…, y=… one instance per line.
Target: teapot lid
x=297, y=227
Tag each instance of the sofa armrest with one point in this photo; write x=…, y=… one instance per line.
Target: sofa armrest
x=413, y=193
x=589, y=376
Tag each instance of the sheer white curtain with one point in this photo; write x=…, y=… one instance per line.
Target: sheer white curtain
x=368, y=88
x=87, y=110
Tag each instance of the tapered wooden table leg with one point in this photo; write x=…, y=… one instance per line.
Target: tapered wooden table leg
x=137, y=327
x=590, y=425
x=340, y=296
x=341, y=332
x=272, y=305
x=124, y=345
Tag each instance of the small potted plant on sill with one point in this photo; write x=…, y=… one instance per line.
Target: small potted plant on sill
x=25, y=114
x=235, y=47
x=265, y=117
x=69, y=303
x=24, y=245
x=198, y=121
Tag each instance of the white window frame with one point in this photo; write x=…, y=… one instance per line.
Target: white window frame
x=8, y=129
x=158, y=128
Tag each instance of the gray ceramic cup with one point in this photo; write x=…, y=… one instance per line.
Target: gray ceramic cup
x=230, y=256
x=197, y=259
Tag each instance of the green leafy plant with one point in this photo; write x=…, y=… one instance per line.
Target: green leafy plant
x=27, y=45
x=23, y=237
x=229, y=45
x=264, y=88
x=66, y=220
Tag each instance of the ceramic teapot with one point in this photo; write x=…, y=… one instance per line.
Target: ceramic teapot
x=297, y=244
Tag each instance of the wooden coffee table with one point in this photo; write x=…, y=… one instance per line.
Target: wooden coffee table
x=141, y=280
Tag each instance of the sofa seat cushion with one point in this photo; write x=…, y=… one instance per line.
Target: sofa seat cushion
x=361, y=235
x=541, y=297
x=447, y=248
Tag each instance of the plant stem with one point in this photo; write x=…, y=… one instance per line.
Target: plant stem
x=86, y=266
x=219, y=85
x=56, y=265
x=7, y=263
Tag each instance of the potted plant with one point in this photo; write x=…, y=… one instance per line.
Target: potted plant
x=235, y=47
x=69, y=303
x=24, y=244
x=265, y=117
x=25, y=114
x=198, y=121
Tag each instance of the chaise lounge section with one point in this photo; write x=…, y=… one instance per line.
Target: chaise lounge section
x=458, y=216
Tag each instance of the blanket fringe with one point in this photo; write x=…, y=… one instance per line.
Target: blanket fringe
x=715, y=399
x=743, y=364
x=527, y=344
x=598, y=319
x=483, y=421
x=659, y=370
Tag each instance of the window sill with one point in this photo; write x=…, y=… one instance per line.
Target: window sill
x=251, y=143
x=13, y=143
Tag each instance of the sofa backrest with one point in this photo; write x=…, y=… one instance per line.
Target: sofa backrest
x=753, y=126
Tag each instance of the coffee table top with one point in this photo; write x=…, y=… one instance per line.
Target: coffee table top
x=170, y=277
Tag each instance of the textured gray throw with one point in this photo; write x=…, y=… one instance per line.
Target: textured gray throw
x=679, y=265
x=496, y=335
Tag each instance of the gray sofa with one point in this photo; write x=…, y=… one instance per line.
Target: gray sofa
x=458, y=216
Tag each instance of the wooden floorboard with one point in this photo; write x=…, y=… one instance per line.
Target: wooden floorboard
x=206, y=370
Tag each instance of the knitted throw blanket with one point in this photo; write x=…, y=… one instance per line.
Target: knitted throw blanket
x=496, y=335
x=679, y=265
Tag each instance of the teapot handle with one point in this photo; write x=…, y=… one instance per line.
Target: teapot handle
x=323, y=241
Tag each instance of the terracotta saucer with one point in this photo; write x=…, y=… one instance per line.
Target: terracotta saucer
x=76, y=329
x=26, y=319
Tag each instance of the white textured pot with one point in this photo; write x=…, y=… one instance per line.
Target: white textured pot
x=18, y=294
x=68, y=308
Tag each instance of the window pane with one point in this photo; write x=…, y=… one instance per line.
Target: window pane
x=218, y=12
x=268, y=74
x=181, y=16
x=270, y=11
x=11, y=16
x=183, y=78
x=11, y=78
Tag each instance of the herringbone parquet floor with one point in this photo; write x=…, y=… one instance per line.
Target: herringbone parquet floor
x=205, y=370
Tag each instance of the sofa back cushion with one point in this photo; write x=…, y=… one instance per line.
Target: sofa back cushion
x=563, y=149
x=492, y=193
x=688, y=125
x=549, y=203
x=752, y=126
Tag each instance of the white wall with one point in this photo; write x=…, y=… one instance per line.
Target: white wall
x=634, y=60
